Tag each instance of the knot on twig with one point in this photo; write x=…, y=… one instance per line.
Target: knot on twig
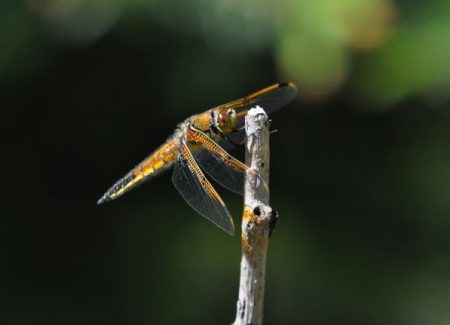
x=267, y=216
x=258, y=225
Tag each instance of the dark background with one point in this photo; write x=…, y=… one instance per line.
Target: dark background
x=359, y=168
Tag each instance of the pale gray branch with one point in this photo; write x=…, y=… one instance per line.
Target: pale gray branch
x=257, y=221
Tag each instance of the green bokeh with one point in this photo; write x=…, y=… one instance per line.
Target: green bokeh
x=359, y=167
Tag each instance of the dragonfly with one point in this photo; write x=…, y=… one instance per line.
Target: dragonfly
x=197, y=146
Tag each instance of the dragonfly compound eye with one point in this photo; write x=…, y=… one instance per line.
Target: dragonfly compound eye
x=231, y=113
x=227, y=120
x=187, y=176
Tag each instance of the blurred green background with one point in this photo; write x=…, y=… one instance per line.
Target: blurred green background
x=359, y=170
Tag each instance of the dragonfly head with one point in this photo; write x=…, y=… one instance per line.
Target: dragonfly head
x=227, y=120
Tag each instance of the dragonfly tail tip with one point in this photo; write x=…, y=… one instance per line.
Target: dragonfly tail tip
x=102, y=200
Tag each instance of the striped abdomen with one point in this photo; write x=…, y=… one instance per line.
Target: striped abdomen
x=159, y=160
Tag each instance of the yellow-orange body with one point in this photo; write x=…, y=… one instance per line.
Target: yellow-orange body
x=159, y=160
x=163, y=157
x=203, y=130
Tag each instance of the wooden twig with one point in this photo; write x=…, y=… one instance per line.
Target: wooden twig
x=258, y=220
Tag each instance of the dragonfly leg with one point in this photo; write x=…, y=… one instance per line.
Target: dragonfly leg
x=207, y=143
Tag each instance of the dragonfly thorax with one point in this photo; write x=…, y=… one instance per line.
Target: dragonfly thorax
x=181, y=130
x=195, y=148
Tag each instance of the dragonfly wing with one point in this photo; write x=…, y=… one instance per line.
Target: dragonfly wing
x=230, y=178
x=218, y=163
x=232, y=140
x=271, y=99
x=198, y=192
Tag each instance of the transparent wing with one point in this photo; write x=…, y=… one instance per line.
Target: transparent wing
x=230, y=178
x=271, y=99
x=198, y=192
x=233, y=139
x=217, y=162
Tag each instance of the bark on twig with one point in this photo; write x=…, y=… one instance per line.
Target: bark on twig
x=258, y=220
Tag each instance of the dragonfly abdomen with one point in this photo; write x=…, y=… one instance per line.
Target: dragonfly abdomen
x=161, y=159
